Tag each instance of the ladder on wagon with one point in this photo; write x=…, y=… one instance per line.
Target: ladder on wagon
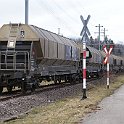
x=13, y=34
x=10, y=56
x=13, y=58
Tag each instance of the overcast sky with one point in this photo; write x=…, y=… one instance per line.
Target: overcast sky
x=65, y=14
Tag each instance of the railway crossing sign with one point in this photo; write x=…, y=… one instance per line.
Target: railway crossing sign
x=85, y=31
x=107, y=53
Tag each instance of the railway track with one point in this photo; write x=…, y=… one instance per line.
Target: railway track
x=17, y=93
x=43, y=88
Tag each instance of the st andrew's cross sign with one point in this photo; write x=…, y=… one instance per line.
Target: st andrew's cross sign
x=107, y=53
x=85, y=31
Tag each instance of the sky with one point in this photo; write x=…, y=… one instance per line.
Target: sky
x=65, y=15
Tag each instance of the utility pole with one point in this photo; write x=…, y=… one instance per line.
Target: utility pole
x=26, y=11
x=104, y=32
x=99, y=26
x=58, y=31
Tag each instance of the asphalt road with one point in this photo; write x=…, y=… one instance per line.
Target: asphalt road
x=111, y=112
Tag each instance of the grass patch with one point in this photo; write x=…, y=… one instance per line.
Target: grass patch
x=70, y=110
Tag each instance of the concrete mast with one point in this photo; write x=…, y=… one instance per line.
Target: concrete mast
x=26, y=11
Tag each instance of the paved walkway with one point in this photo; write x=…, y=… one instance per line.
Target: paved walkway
x=112, y=110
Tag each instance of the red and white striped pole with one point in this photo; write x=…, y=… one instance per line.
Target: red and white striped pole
x=85, y=33
x=84, y=70
x=107, y=61
x=108, y=74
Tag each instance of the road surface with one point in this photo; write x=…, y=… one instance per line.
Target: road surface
x=111, y=112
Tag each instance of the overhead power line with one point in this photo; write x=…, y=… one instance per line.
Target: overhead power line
x=65, y=22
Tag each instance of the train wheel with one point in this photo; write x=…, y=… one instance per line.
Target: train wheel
x=55, y=81
x=23, y=87
x=9, y=88
x=72, y=79
x=33, y=88
x=66, y=79
x=1, y=89
x=59, y=80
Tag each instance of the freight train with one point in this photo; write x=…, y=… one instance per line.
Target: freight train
x=29, y=55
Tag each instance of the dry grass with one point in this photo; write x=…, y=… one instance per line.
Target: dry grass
x=70, y=110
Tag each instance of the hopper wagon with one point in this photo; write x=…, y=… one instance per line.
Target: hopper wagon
x=29, y=54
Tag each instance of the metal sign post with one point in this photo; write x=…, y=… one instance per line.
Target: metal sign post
x=108, y=74
x=107, y=61
x=84, y=33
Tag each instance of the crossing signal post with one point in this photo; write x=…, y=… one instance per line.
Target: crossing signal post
x=106, y=61
x=84, y=33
